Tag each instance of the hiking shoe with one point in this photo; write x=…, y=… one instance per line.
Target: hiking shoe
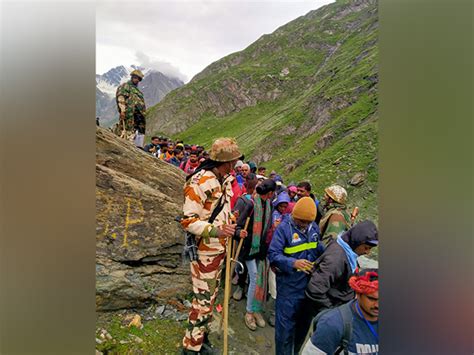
x=259, y=319
x=238, y=293
x=250, y=321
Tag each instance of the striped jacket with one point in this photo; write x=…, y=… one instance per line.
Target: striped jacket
x=201, y=195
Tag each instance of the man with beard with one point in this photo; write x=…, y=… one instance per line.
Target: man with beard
x=304, y=190
x=190, y=165
x=336, y=220
x=359, y=333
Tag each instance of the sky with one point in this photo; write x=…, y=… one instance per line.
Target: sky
x=181, y=37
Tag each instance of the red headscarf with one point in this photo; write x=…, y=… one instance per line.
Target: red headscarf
x=362, y=284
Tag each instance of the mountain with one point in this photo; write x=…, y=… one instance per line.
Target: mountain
x=301, y=100
x=154, y=86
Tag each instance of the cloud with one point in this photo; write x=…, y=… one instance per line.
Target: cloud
x=164, y=67
x=188, y=34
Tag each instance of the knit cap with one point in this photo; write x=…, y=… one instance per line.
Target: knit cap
x=305, y=209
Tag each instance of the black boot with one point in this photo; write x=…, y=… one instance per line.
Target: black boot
x=189, y=352
x=207, y=348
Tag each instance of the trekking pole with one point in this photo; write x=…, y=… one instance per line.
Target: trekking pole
x=225, y=313
x=235, y=259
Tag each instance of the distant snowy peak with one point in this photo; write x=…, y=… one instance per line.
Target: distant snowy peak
x=154, y=87
x=108, y=82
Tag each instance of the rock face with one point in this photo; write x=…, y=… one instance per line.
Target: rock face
x=138, y=255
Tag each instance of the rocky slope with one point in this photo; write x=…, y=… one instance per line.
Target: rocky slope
x=154, y=86
x=138, y=242
x=301, y=100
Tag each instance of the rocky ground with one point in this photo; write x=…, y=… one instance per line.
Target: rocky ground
x=161, y=328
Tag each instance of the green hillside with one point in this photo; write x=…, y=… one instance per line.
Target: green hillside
x=302, y=101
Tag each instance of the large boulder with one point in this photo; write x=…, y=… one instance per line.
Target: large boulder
x=138, y=256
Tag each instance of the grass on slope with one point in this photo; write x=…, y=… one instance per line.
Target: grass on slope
x=158, y=336
x=340, y=85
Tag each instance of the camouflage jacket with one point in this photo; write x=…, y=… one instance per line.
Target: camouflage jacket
x=130, y=100
x=201, y=196
x=334, y=221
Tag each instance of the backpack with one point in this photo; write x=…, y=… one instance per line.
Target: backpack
x=346, y=314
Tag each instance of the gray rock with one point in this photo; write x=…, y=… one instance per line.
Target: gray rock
x=169, y=312
x=160, y=309
x=138, y=251
x=358, y=179
x=284, y=72
x=136, y=338
x=187, y=304
x=181, y=317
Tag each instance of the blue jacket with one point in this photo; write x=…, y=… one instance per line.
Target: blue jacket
x=288, y=245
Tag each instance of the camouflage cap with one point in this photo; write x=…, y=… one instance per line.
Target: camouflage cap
x=138, y=73
x=224, y=150
x=337, y=193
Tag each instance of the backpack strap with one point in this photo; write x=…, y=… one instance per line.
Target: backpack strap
x=347, y=318
x=218, y=209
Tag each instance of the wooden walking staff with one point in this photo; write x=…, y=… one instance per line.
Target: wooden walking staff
x=227, y=287
x=227, y=294
x=228, y=273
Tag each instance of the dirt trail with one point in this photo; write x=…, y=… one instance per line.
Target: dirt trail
x=241, y=339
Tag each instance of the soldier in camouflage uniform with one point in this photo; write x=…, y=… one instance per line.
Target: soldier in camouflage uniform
x=131, y=107
x=202, y=192
x=336, y=219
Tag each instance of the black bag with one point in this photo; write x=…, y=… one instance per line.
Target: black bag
x=190, y=248
x=346, y=314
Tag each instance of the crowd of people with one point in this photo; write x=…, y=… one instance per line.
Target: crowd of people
x=298, y=253
x=184, y=156
x=298, y=260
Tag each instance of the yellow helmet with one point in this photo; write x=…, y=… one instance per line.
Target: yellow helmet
x=137, y=73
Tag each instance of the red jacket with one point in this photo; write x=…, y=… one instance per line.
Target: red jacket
x=238, y=191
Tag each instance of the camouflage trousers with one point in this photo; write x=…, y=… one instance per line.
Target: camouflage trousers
x=132, y=124
x=205, y=275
